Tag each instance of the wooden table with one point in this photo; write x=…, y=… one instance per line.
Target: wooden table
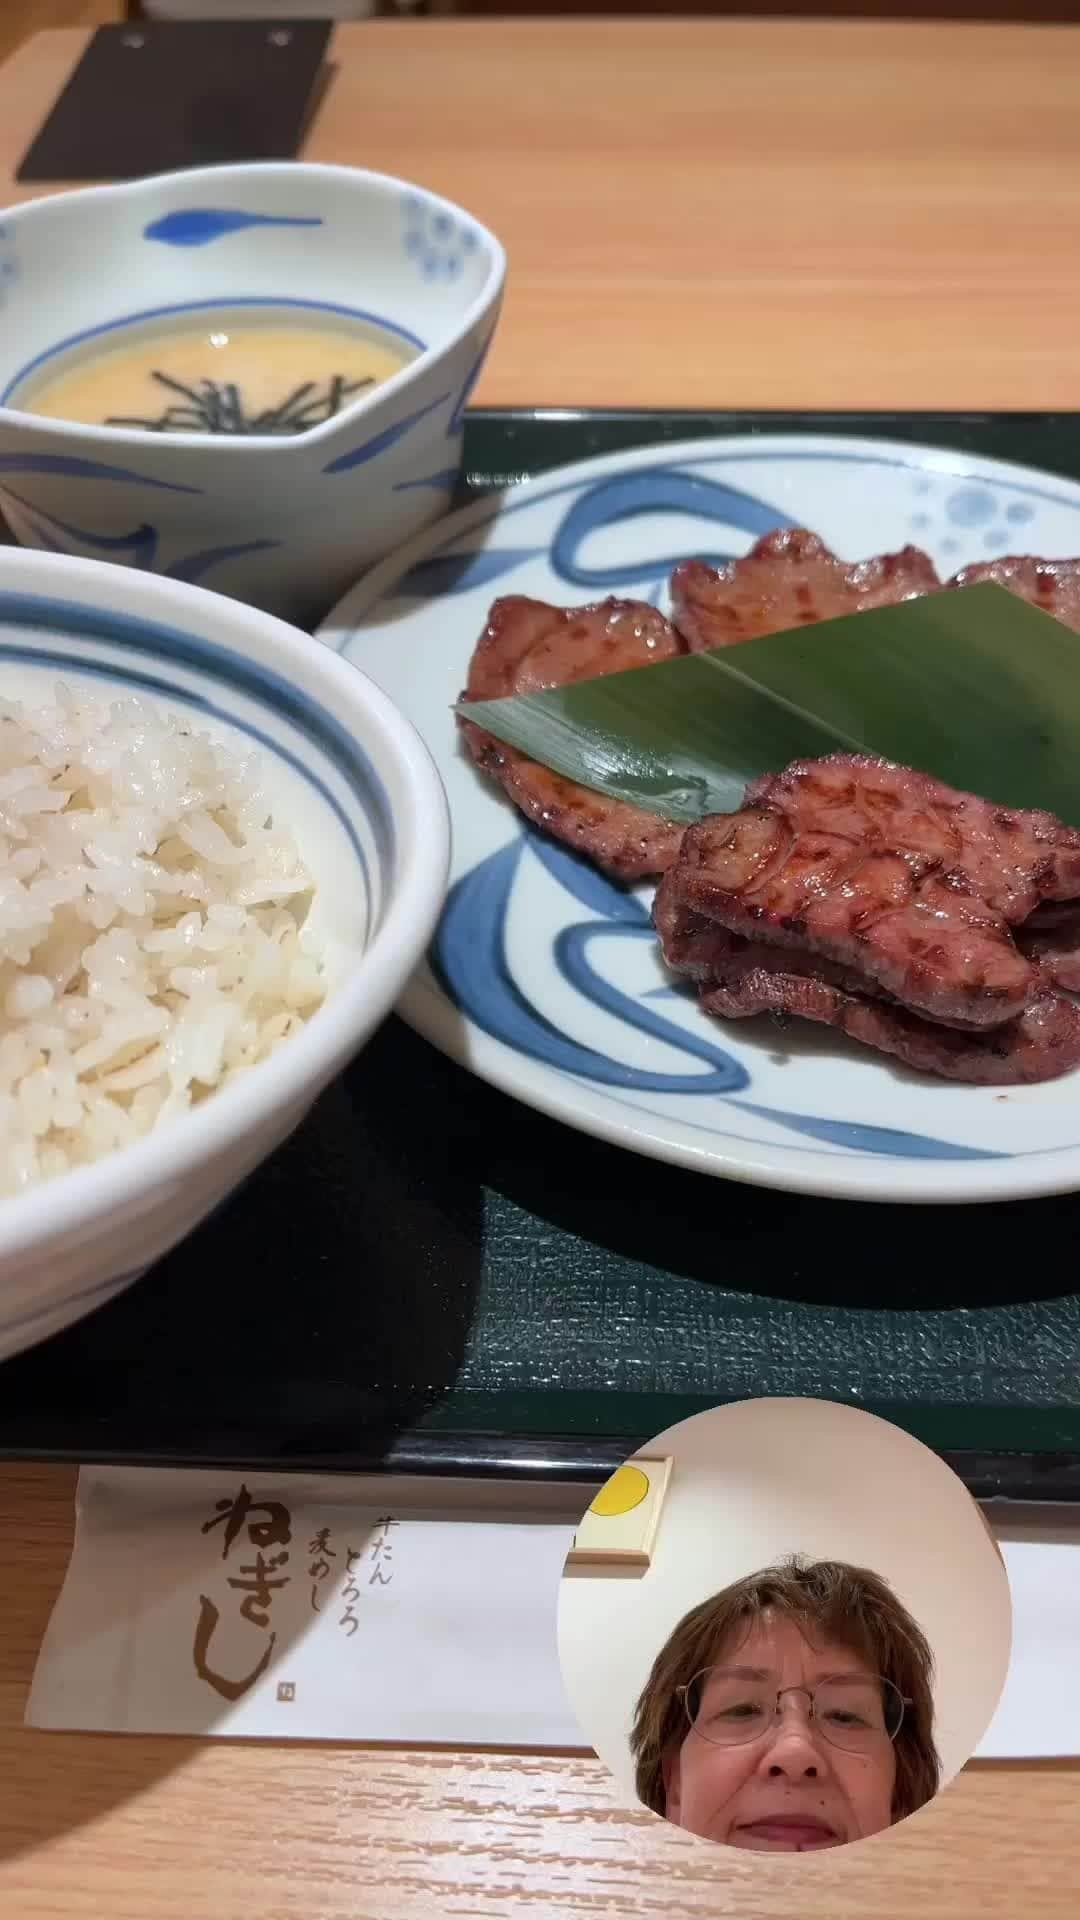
x=716, y=213
x=20, y=18
x=697, y=213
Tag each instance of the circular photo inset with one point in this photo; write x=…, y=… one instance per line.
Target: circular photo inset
x=784, y=1625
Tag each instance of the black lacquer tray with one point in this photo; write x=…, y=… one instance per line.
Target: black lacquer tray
x=429, y=1277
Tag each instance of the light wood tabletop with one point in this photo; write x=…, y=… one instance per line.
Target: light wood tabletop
x=697, y=213
x=21, y=18
x=716, y=213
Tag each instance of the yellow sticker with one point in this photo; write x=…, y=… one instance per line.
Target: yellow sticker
x=626, y=1489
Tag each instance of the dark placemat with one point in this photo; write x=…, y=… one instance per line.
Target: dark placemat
x=433, y=1278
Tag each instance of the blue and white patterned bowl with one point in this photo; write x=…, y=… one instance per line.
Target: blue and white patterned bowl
x=369, y=815
x=288, y=523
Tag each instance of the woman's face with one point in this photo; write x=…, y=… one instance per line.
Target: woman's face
x=790, y=1790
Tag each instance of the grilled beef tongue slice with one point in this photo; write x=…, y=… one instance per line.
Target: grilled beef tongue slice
x=1041, y=1044
x=788, y=579
x=740, y=978
x=1015, y=859
x=907, y=884
x=883, y=917
x=528, y=646
x=1052, y=585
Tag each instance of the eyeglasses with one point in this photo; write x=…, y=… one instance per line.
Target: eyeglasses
x=728, y=1710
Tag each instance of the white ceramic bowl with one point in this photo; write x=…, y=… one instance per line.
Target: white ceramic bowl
x=284, y=523
x=369, y=816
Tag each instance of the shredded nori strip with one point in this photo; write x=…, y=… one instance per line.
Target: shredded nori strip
x=211, y=407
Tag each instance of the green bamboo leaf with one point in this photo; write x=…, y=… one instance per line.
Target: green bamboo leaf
x=973, y=685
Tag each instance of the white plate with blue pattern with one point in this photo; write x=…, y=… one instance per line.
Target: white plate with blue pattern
x=544, y=978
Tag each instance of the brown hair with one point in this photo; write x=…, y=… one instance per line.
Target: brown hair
x=847, y=1605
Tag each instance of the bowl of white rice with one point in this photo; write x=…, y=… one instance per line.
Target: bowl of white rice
x=222, y=852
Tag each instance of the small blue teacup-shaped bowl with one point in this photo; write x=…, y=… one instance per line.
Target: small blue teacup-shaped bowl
x=285, y=522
